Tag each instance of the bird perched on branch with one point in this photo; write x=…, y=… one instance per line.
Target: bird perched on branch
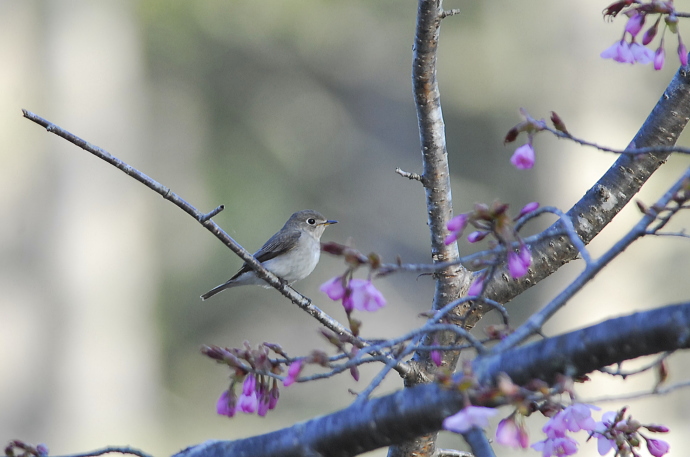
x=291, y=254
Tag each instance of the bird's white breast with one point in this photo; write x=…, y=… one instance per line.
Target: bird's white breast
x=299, y=262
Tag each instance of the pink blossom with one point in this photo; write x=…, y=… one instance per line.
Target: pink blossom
x=577, y=417
x=559, y=446
x=451, y=238
x=436, y=358
x=293, y=372
x=264, y=400
x=248, y=401
x=274, y=394
x=249, y=385
x=333, y=288
x=528, y=208
x=641, y=54
x=363, y=296
x=555, y=427
x=657, y=447
x=509, y=433
x=458, y=223
x=468, y=417
x=657, y=428
x=634, y=24
x=525, y=256
x=476, y=236
x=518, y=264
x=354, y=372
x=262, y=408
x=523, y=158
x=682, y=52
x=607, y=420
x=659, y=57
x=604, y=445
x=476, y=287
x=227, y=404
x=650, y=34
x=456, y=226
x=619, y=51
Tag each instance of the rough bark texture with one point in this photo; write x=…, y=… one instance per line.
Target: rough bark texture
x=450, y=282
x=608, y=195
x=420, y=410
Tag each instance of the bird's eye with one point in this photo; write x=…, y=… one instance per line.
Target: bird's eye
x=311, y=221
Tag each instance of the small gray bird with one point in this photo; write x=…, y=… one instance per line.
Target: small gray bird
x=291, y=254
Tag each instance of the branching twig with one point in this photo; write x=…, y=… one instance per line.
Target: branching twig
x=638, y=395
x=468, y=260
x=611, y=192
x=538, y=319
x=111, y=449
x=205, y=220
x=630, y=150
x=625, y=374
x=408, y=175
x=408, y=413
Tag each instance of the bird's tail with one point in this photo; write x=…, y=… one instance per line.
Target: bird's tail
x=217, y=289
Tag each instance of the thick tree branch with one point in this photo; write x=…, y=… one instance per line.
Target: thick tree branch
x=583, y=351
x=450, y=281
x=609, y=195
x=537, y=320
x=420, y=410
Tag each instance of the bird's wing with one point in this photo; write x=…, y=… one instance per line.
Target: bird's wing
x=274, y=247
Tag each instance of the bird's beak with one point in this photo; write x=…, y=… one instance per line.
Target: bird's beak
x=330, y=222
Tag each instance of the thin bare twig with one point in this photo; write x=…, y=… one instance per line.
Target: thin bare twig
x=625, y=374
x=448, y=13
x=630, y=150
x=110, y=450
x=210, y=214
x=205, y=219
x=408, y=175
x=638, y=395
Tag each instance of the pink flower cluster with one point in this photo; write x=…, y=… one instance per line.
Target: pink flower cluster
x=573, y=418
x=356, y=294
x=493, y=220
x=616, y=433
x=510, y=433
x=624, y=51
x=613, y=432
x=256, y=398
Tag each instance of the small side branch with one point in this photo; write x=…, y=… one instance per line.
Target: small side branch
x=408, y=175
x=111, y=450
x=448, y=13
x=209, y=215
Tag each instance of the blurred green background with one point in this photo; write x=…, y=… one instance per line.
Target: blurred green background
x=268, y=108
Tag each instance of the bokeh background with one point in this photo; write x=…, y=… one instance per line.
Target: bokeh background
x=268, y=108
